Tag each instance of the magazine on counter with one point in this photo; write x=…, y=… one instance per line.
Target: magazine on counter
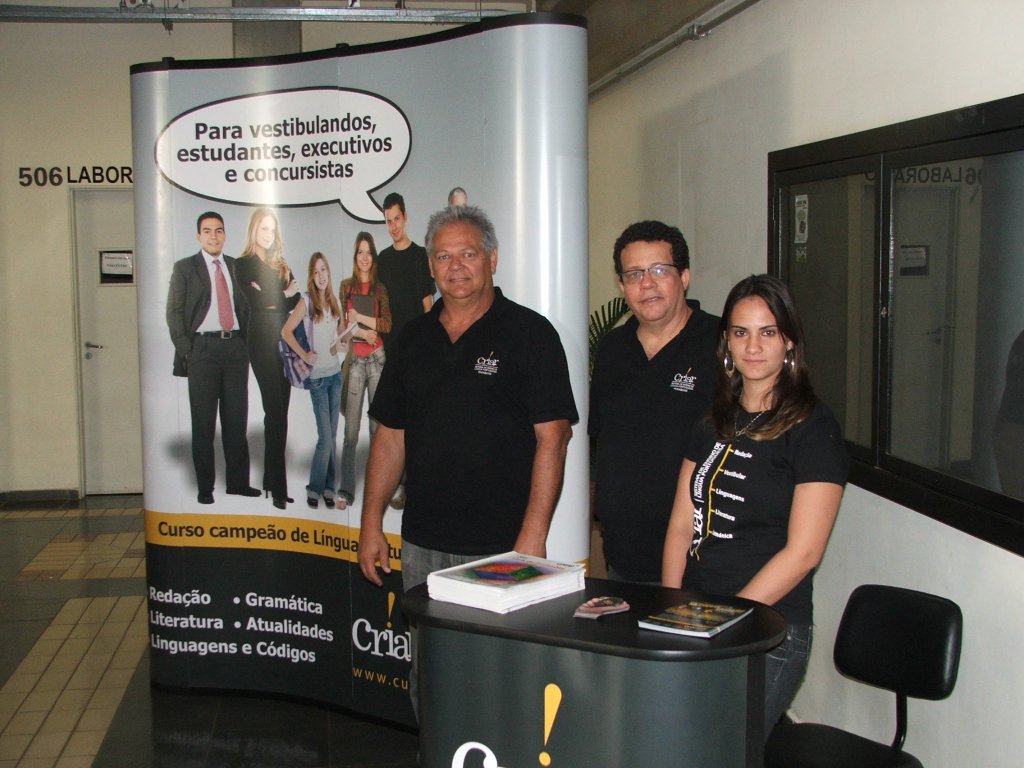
x=695, y=618
x=506, y=582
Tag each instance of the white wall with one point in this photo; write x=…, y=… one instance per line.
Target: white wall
x=64, y=95
x=686, y=139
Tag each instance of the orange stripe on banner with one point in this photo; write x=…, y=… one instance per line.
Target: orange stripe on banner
x=283, y=534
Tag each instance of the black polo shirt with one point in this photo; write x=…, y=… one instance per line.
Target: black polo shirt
x=641, y=414
x=468, y=410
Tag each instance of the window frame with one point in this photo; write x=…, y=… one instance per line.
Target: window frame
x=977, y=130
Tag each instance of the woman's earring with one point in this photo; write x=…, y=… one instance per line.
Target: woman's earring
x=790, y=359
x=728, y=364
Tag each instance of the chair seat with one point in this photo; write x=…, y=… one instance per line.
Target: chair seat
x=810, y=745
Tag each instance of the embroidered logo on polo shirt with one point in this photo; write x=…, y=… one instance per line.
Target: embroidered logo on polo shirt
x=684, y=382
x=487, y=366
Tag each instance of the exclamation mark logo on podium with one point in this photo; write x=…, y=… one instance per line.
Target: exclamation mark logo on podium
x=552, y=700
x=391, y=607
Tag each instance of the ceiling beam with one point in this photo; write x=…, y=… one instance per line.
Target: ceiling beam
x=158, y=14
x=622, y=36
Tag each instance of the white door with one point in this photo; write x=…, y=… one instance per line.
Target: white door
x=108, y=340
x=923, y=336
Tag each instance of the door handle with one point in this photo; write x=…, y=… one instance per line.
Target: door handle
x=90, y=345
x=938, y=334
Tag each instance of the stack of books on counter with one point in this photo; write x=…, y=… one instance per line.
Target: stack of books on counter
x=504, y=583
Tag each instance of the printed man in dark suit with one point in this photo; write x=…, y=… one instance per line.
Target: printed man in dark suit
x=206, y=313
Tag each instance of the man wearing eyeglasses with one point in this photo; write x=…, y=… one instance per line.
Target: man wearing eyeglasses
x=652, y=382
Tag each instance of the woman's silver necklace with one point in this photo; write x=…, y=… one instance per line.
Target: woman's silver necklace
x=738, y=432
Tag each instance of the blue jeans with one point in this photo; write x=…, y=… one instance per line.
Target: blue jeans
x=363, y=375
x=785, y=666
x=325, y=393
x=417, y=564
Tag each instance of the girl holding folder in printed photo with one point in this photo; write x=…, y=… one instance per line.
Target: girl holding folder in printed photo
x=366, y=303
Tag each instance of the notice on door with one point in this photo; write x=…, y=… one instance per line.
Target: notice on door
x=913, y=261
x=116, y=267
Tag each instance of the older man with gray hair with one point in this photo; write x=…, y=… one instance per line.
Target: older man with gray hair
x=475, y=403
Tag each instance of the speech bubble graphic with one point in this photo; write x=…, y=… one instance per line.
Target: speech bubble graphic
x=300, y=147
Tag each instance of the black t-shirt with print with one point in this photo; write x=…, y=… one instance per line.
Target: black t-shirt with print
x=742, y=492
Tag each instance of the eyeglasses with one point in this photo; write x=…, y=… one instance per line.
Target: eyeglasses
x=657, y=272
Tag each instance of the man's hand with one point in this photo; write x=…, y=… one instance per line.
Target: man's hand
x=534, y=545
x=383, y=471
x=545, y=486
x=373, y=548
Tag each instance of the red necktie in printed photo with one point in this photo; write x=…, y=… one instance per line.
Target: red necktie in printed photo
x=227, y=320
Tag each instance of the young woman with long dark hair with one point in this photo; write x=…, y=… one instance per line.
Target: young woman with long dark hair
x=760, y=487
x=366, y=356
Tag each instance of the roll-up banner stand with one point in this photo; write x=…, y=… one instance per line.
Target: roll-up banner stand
x=244, y=595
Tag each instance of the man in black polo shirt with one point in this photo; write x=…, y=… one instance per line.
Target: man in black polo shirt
x=475, y=403
x=652, y=382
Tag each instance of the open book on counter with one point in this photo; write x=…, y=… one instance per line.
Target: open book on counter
x=695, y=618
x=504, y=583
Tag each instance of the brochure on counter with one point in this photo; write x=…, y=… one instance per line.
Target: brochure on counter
x=506, y=582
x=596, y=607
x=695, y=618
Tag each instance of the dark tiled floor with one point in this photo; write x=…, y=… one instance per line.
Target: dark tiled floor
x=168, y=729
x=49, y=589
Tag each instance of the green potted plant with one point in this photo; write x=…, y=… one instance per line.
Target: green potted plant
x=602, y=320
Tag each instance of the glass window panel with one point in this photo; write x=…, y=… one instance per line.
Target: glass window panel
x=914, y=311
x=956, y=398
x=827, y=244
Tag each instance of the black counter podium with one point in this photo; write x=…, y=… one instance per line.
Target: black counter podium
x=539, y=687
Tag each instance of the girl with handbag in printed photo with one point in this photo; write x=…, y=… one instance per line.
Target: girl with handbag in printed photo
x=320, y=316
x=365, y=358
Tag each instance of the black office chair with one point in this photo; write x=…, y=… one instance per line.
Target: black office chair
x=904, y=641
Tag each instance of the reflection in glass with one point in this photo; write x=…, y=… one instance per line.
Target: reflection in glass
x=1008, y=432
x=998, y=444
x=952, y=309
x=956, y=358
x=827, y=230
x=925, y=315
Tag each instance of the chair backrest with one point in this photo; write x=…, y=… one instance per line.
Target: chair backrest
x=901, y=640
